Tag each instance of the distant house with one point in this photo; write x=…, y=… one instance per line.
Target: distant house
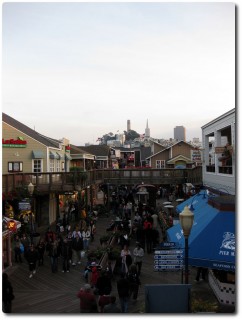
x=81, y=158
x=103, y=155
x=131, y=157
x=180, y=155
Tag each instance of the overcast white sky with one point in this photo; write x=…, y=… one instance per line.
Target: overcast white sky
x=81, y=70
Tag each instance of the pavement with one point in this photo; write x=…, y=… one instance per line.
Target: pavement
x=56, y=293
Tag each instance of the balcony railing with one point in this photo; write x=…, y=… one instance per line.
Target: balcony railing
x=210, y=168
x=225, y=169
x=69, y=181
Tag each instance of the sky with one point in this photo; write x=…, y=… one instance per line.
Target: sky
x=81, y=70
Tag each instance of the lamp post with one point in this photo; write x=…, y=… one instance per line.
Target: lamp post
x=186, y=218
x=31, y=191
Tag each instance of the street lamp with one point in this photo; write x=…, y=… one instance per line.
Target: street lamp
x=31, y=191
x=186, y=218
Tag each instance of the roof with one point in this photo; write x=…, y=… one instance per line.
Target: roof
x=212, y=237
x=179, y=158
x=77, y=152
x=29, y=132
x=181, y=141
x=97, y=150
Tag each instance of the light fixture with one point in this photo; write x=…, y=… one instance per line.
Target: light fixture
x=31, y=188
x=186, y=218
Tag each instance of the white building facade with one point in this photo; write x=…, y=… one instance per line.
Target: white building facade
x=219, y=153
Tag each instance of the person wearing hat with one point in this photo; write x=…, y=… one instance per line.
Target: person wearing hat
x=138, y=254
x=87, y=299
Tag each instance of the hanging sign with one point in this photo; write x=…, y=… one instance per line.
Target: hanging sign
x=12, y=226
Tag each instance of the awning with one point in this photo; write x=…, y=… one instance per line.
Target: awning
x=37, y=154
x=53, y=155
x=212, y=238
x=68, y=157
x=59, y=156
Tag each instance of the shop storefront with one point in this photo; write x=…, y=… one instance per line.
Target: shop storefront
x=10, y=228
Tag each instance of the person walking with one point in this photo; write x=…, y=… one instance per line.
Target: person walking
x=103, y=282
x=77, y=247
x=104, y=299
x=7, y=293
x=17, y=250
x=32, y=257
x=148, y=234
x=201, y=271
x=123, y=293
x=134, y=281
x=54, y=253
x=26, y=242
x=66, y=255
x=94, y=277
x=138, y=254
x=86, y=236
x=126, y=259
x=112, y=306
x=41, y=251
x=87, y=299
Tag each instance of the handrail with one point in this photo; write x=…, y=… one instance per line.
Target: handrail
x=65, y=180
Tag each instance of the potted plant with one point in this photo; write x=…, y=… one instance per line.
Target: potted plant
x=113, y=253
x=104, y=239
x=95, y=254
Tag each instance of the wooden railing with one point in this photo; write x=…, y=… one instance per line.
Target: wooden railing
x=70, y=181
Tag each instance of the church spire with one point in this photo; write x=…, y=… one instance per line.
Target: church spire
x=147, y=130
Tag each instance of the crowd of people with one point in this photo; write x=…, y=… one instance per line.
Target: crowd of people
x=65, y=247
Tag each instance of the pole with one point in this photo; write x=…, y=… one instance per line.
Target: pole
x=186, y=260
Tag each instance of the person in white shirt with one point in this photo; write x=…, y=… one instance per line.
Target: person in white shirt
x=86, y=236
x=155, y=220
x=138, y=254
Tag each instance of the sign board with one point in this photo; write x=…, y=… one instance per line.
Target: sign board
x=168, y=244
x=24, y=206
x=169, y=258
x=221, y=149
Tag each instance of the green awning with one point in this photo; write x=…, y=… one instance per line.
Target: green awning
x=53, y=155
x=59, y=156
x=68, y=157
x=37, y=154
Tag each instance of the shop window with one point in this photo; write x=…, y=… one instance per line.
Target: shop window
x=15, y=166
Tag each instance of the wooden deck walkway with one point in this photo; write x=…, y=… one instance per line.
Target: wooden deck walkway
x=55, y=293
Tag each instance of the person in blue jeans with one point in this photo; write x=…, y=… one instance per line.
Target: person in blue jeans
x=123, y=293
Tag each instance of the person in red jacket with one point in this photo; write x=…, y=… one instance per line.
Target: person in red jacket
x=148, y=234
x=104, y=299
x=94, y=277
x=87, y=300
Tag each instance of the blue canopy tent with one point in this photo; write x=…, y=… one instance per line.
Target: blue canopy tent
x=212, y=237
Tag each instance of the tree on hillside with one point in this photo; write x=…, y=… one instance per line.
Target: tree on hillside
x=131, y=135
